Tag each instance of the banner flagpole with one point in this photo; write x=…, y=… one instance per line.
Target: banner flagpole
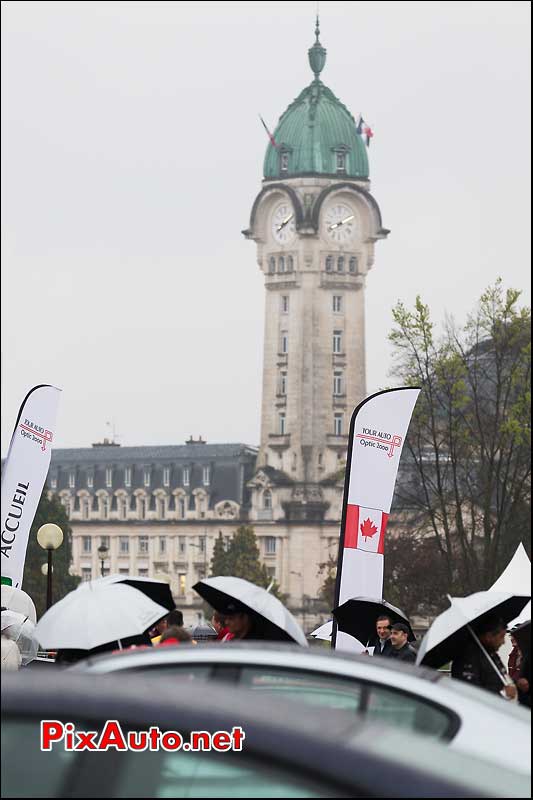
x=377, y=434
x=24, y=475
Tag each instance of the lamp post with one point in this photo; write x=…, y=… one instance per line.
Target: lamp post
x=50, y=537
x=103, y=550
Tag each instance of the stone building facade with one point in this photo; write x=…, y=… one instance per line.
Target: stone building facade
x=315, y=224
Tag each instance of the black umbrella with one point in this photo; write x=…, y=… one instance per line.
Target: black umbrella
x=522, y=634
x=358, y=616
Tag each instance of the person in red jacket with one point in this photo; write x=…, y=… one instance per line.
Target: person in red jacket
x=173, y=636
x=219, y=624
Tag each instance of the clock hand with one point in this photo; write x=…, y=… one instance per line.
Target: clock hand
x=285, y=222
x=338, y=224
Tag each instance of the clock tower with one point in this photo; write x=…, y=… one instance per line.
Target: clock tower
x=315, y=224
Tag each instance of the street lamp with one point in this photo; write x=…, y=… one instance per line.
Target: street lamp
x=103, y=550
x=50, y=537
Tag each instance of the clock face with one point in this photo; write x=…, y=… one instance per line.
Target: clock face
x=339, y=222
x=282, y=226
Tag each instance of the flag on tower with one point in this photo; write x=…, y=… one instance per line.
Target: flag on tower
x=364, y=129
x=270, y=136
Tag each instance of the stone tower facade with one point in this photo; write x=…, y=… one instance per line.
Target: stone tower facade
x=315, y=224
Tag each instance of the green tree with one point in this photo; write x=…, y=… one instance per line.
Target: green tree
x=328, y=569
x=466, y=477
x=240, y=558
x=34, y=582
x=220, y=562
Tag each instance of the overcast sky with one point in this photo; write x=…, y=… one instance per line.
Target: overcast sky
x=132, y=153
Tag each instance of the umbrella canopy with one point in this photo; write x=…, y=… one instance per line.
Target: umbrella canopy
x=158, y=591
x=21, y=630
x=522, y=634
x=516, y=578
x=449, y=632
x=18, y=600
x=358, y=616
x=90, y=617
x=323, y=631
x=271, y=619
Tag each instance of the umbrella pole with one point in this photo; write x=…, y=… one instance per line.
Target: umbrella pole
x=491, y=662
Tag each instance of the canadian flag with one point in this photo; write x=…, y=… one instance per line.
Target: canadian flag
x=365, y=528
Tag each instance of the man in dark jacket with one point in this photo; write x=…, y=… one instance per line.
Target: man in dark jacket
x=401, y=649
x=472, y=665
x=382, y=644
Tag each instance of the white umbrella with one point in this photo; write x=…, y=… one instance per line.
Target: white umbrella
x=87, y=618
x=516, y=577
x=323, y=631
x=450, y=630
x=21, y=630
x=274, y=621
x=11, y=658
x=18, y=600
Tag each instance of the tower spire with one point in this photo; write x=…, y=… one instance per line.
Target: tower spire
x=317, y=53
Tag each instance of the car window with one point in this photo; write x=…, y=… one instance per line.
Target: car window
x=406, y=711
x=27, y=771
x=314, y=688
x=187, y=673
x=176, y=775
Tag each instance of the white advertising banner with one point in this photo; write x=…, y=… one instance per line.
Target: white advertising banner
x=377, y=435
x=24, y=475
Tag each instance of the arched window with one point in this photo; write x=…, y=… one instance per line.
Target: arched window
x=267, y=499
x=290, y=263
x=353, y=265
x=281, y=264
x=284, y=162
x=340, y=264
x=271, y=265
x=329, y=264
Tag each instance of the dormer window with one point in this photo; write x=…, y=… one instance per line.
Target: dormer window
x=341, y=162
x=284, y=162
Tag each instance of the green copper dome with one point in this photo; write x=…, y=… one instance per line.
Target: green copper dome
x=316, y=135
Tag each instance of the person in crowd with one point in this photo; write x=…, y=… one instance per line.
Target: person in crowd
x=175, y=618
x=523, y=682
x=472, y=665
x=514, y=662
x=218, y=621
x=174, y=635
x=382, y=643
x=400, y=647
x=240, y=622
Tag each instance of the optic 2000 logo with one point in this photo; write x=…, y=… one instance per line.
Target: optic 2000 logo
x=380, y=440
x=30, y=430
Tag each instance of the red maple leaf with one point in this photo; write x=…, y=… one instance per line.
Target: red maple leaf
x=368, y=528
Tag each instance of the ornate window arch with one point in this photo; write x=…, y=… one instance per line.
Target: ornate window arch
x=180, y=501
